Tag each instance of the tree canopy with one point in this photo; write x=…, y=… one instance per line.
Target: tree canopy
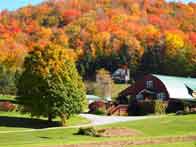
x=105, y=34
x=50, y=84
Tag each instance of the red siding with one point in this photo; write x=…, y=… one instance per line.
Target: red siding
x=158, y=86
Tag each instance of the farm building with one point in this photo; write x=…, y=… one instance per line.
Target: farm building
x=160, y=87
x=121, y=75
x=92, y=98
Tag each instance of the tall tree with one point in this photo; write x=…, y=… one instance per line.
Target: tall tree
x=50, y=85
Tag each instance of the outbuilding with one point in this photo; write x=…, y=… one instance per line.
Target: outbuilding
x=161, y=87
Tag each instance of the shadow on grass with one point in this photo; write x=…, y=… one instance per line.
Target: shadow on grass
x=26, y=123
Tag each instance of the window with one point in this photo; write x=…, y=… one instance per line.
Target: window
x=149, y=84
x=161, y=95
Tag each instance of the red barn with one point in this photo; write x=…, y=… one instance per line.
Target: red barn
x=160, y=87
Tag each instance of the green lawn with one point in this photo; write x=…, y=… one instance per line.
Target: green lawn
x=117, y=88
x=12, y=121
x=153, y=127
x=7, y=98
x=164, y=125
x=180, y=144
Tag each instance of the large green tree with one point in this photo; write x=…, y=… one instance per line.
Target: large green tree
x=50, y=85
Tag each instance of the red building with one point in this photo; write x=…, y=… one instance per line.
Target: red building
x=159, y=87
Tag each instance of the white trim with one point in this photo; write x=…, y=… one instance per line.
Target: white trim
x=145, y=90
x=149, y=84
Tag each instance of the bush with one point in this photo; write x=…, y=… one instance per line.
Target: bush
x=7, y=106
x=141, y=107
x=89, y=131
x=97, y=107
x=160, y=107
x=174, y=106
x=147, y=107
x=100, y=112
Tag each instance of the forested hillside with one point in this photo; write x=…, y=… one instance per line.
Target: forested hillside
x=146, y=35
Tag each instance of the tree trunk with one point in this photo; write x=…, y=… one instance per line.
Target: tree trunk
x=63, y=119
x=49, y=118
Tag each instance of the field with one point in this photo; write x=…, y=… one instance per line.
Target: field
x=180, y=144
x=117, y=88
x=152, y=128
x=13, y=121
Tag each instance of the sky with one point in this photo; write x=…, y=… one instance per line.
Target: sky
x=14, y=4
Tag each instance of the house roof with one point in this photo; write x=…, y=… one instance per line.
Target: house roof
x=178, y=87
x=92, y=97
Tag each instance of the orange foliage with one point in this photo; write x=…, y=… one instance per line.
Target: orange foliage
x=70, y=15
x=97, y=24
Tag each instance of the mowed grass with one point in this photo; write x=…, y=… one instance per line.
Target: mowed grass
x=7, y=97
x=150, y=128
x=179, y=144
x=12, y=121
x=117, y=88
x=165, y=125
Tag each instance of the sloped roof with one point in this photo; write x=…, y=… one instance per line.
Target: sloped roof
x=177, y=87
x=92, y=97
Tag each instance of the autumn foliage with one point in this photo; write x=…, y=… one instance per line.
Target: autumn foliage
x=146, y=35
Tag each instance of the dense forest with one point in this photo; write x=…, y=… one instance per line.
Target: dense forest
x=148, y=36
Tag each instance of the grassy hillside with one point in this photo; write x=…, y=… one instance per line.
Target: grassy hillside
x=13, y=121
x=117, y=88
x=150, y=128
x=180, y=144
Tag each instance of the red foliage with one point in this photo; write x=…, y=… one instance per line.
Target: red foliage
x=155, y=20
x=192, y=38
x=7, y=106
x=103, y=25
x=97, y=105
x=22, y=29
x=70, y=15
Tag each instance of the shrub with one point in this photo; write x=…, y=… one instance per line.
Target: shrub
x=160, y=107
x=147, y=107
x=174, y=106
x=141, y=107
x=7, y=106
x=89, y=131
x=99, y=111
x=97, y=107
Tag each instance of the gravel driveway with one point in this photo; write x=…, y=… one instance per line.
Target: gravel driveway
x=103, y=120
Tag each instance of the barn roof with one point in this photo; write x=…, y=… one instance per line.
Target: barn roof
x=179, y=87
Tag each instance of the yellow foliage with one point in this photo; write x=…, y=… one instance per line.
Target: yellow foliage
x=150, y=30
x=101, y=40
x=135, y=46
x=45, y=32
x=70, y=54
x=118, y=19
x=91, y=28
x=51, y=58
x=135, y=8
x=173, y=43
